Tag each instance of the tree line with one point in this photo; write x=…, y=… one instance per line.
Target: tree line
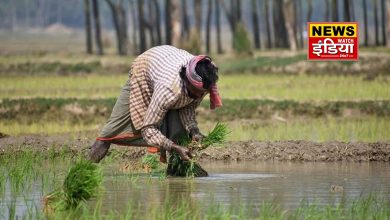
x=201, y=25
x=284, y=22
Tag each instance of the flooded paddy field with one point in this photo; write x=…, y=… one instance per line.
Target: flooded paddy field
x=248, y=179
x=253, y=183
x=240, y=187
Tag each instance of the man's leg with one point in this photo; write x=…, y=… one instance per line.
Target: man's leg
x=98, y=151
x=118, y=123
x=173, y=129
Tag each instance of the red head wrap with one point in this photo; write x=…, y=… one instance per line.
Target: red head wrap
x=196, y=80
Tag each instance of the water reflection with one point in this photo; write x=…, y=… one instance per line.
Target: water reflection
x=252, y=183
x=229, y=184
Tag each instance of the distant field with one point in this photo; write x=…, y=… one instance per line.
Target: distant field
x=81, y=86
x=303, y=87
x=368, y=129
x=37, y=41
x=44, y=66
x=245, y=86
x=47, y=128
x=314, y=129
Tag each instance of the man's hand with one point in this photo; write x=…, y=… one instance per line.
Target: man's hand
x=184, y=153
x=196, y=135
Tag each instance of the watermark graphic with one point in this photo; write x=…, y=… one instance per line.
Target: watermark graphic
x=332, y=41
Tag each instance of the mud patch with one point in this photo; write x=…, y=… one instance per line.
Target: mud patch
x=231, y=151
x=300, y=151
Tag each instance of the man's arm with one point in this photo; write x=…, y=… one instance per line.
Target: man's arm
x=161, y=100
x=188, y=119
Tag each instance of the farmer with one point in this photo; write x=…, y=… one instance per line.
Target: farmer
x=157, y=104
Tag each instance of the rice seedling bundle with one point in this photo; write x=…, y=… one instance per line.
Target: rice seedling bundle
x=81, y=183
x=178, y=167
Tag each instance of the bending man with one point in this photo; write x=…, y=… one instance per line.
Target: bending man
x=157, y=104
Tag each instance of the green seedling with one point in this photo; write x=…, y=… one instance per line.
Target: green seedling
x=81, y=184
x=178, y=167
x=150, y=161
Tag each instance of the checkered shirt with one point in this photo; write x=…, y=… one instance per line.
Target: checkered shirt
x=156, y=87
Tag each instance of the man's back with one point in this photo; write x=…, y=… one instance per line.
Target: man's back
x=157, y=70
x=162, y=64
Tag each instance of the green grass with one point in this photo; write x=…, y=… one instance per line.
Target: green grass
x=322, y=129
x=367, y=128
x=96, y=111
x=179, y=167
x=303, y=87
x=251, y=64
x=82, y=86
x=369, y=207
x=46, y=127
x=245, y=86
x=81, y=183
x=19, y=170
x=151, y=161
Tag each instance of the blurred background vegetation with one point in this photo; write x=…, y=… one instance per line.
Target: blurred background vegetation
x=208, y=26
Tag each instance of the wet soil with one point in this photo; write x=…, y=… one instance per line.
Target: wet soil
x=300, y=151
x=296, y=150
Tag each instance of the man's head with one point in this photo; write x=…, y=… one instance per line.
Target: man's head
x=201, y=74
x=208, y=72
x=201, y=77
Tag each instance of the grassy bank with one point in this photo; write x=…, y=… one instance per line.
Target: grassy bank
x=248, y=119
x=48, y=128
x=303, y=87
x=87, y=111
x=81, y=86
x=367, y=128
x=237, y=86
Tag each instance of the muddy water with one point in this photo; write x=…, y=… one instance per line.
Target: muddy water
x=251, y=183
x=229, y=184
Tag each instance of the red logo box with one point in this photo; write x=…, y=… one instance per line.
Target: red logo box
x=332, y=41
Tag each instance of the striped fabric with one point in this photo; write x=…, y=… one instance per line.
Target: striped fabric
x=156, y=87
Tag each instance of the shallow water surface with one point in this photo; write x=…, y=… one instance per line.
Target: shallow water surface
x=252, y=183
x=234, y=184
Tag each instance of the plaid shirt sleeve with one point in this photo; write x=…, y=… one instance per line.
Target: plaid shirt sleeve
x=187, y=115
x=162, y=99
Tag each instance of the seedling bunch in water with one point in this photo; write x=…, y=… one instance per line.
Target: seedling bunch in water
x=81, y=183
x=178, y=167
